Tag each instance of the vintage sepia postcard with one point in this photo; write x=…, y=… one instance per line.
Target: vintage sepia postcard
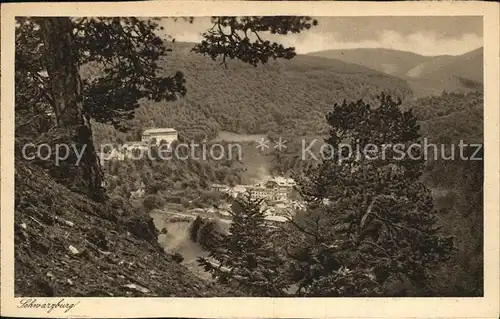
x=250, y=159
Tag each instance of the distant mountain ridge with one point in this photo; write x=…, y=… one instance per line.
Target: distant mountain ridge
x=389, y=61
x=426, y=75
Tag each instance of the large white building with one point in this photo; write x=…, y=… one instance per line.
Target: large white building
x=157, y=135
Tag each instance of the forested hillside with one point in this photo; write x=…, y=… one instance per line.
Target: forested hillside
x=457, y=184
x=283, y=96
x=426, y=75
x=450, y=117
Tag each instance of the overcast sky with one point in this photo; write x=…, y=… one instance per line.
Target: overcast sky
x=422, y=35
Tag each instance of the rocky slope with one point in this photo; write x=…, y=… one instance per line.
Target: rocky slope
x=68, y=245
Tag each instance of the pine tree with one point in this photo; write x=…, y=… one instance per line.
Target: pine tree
x=194, y=228
x=371, y=222
x=246, y=257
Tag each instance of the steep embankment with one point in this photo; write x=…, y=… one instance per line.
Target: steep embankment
x=68, y=245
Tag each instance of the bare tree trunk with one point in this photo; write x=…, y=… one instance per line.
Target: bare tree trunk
x=79, y=174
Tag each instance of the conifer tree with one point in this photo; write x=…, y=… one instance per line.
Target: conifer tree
x=246, y=257
x=371, y=221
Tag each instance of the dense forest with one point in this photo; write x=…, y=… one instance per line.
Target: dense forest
x=279, y=97
x=451, y=117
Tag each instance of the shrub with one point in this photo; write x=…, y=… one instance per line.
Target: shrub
x=153, y=202
x=177, y=258
x=195, y=226
x=206, y=236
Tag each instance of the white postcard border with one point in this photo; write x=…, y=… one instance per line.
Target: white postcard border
x=487, y=306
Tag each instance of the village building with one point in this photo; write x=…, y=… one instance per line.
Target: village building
x=298, y=206
x=211, y=210
x=129, y=149
x=280, y=182
x=261, y=192
x=220, y=188
x=275, y=194
x=276, y=189
x=138, y=193
x=280, y=195
x=238, y=190
x=157, y=135
x=198, y=210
